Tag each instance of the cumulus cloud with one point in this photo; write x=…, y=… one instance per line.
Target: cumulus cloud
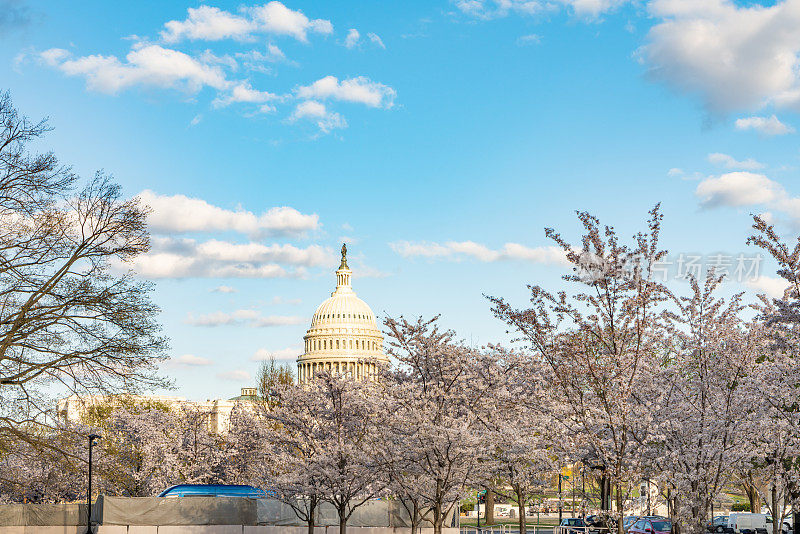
x=242, y=92
x=190, y=360
x=145, y=65
x=456, y=250
x=743, y=188
x=732, y=56
x=361, y=90
x=246, y=317
x=209, y=23
x=729, y=162
x=317, y=112
x=351, y=41
x=276, y=18
x=288, y=353
x=738, y=189
x=171, y=257
x=236, y=375
x=764, y=125
x=180, y=214
x=773, y=287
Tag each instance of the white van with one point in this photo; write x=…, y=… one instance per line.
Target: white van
x=749, y=523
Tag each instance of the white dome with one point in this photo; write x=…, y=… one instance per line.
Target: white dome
x=344, y=336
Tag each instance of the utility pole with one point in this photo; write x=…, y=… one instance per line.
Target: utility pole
x=92, y=439
x=560, y=505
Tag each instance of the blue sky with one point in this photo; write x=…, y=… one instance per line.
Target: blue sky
x=438, y=139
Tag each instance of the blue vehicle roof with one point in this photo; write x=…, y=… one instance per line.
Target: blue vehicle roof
x=216, y=490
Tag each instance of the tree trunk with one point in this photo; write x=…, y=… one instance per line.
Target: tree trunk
x=752, y=495
x=438, y=518
x=521, y=518
x=620, y=511
x=312, y=518
x=777, y=515
x=343, y=519
x=489, y=506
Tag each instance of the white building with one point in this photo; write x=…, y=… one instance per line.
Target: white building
x=343, y=337
x=75, y=408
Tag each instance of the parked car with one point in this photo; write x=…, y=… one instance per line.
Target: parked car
x=651, y=525
x=573, y=524
x=718, y=524
x=216, y=490
x=596, y=524
x=749, y=523
x=628, y=521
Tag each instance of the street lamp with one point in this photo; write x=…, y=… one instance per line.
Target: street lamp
x=596, y=463
x=92, y=439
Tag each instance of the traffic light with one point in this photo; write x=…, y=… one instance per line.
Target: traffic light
x=482, y=497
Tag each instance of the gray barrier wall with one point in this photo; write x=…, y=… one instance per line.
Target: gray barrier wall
x=199, y=511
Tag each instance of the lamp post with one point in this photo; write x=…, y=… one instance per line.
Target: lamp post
x=597, y=464
x=92, y=439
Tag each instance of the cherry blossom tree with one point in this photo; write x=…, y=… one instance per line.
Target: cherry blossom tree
x=518, y=439
x=700, y=400
x=598, y=343
x=322, y=447
x=440, y=393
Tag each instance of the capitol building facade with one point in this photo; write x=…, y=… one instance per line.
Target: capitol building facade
x=344, y=337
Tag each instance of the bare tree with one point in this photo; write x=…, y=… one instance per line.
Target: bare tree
x=67, y=323
x=271, y=377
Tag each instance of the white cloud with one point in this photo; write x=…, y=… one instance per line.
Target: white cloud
x=288, y=353
x=317, y=112
x=245, y=317
x=282, y=300
x=196, y=119
x=351, y=41
x=224, y=289
x=190, y=360
x=729, y=162
x=213, y=24
x=764, y=125
x=773, y=287
x=235, y=376
x=732, y=56
x=360, y=90
x=489, y=9
x=276, y=18
x=243, y=92
x=179, y=213
x=146, y=65
x=209, y=24
x=529, y=39
x=187, y=258
x=255, y=60
x=738, y=189
x=376, y=40
x=457, y=250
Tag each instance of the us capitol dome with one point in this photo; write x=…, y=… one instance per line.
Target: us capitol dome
x=344, y=337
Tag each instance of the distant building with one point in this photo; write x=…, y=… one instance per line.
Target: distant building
x=343, y=337
x=74, y=409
